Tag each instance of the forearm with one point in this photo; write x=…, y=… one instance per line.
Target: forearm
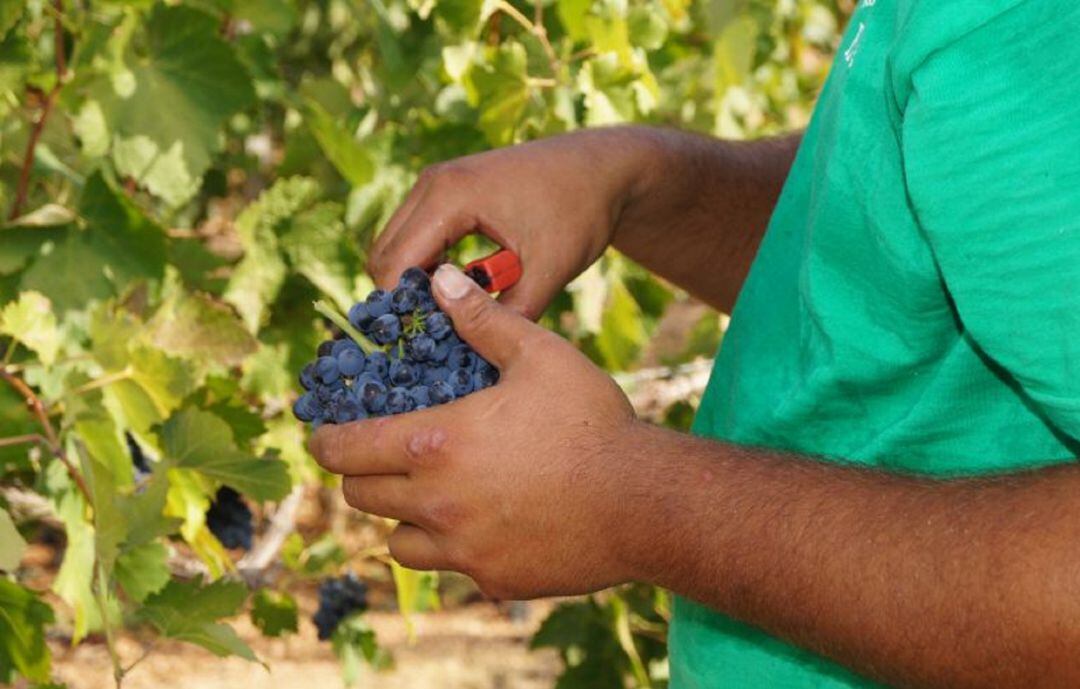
x=917, y=583
x=700, y=208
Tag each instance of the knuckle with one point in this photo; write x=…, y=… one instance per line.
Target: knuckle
x=442, y=515
x=430, y=172
x=353, y=492
x=427, y=448
x=480, y=311
x=448, y=175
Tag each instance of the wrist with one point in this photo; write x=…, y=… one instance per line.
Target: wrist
x=645, y=504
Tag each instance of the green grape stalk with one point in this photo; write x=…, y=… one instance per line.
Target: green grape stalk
x=180, y=181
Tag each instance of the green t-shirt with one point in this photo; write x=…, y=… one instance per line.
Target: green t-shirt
x=915, y=304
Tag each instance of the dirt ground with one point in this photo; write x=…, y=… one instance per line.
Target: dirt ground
x=474, y=647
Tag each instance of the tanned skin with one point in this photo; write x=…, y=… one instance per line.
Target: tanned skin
x=547, y=483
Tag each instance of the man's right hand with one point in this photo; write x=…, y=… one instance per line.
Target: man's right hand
x=555, y=202
x=690, y=208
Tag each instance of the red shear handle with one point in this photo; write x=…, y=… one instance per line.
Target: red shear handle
x=496, y=272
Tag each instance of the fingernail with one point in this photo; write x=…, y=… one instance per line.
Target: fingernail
x=451, y=282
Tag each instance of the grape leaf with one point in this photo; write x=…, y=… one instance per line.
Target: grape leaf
x=502, y=90
x=341, y=148
x=189, y=611
x=74, y=580
x=10, y=11
x=12, y=544
x=126, y=240
x=191, y=81
x=26, y=236
x=143, y=570
x=119, y=244
x=274, y=613
x=319, y=249
x=608, y=88
x=70, y=275
x=198, y=440
x=258, y=277
x=31, y=321
x=622, y=333
x=23, y=617
x=195, y=327
x=105, y=445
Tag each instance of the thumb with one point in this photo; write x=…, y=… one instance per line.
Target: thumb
x=493, y=330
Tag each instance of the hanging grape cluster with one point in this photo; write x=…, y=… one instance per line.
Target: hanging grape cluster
x=338, y=598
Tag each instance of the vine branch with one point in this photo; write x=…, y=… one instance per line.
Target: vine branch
x=52, y=440
x=46, y=109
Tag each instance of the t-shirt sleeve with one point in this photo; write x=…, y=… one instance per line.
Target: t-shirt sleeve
x=991, y=145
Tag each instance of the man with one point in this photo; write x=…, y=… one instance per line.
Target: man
x=885, y=488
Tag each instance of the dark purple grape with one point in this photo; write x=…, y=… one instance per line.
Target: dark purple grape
x=415, y=278
x=461, y=357
x=349, y=409
x=438, y=325
x=373, y=394
x=403, y=300
x=422, y=347
x=307, y=376
x=426, y=304
x=326, y=369
x=351, y=362
x=386, y=329
x=441, y=392
x=378, y=365
x=306, y=407
x=360, y=317
x=341, y=345
x=398, y=400
x=378, y=303
x=441, y=352
x=421, y=396
x=429, y=375
x=461, y=381
x=404, y=373
x=484, y=375
x=326, y=347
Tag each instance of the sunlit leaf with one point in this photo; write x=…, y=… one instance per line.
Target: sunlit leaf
x=192, y=81
x=198, y=440
x=31, y=321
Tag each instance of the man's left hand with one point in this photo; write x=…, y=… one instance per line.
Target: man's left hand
x=516, y=485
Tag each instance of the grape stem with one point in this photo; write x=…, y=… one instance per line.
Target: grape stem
x=23, y=187
x=326, y=309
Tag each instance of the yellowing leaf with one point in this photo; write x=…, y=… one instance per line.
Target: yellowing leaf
x=30, y=320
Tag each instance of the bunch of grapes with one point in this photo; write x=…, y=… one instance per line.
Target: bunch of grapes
x=339, y=598
x=397, y=352
x=229, y=518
